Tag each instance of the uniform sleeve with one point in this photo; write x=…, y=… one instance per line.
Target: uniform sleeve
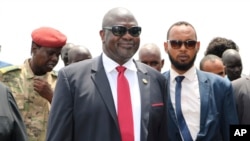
x=19, y=131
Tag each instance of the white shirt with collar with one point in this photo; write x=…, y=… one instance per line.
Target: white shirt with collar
x=190, y=98
x=131, y=75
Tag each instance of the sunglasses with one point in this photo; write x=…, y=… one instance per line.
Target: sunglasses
x=176, y=44
x=118, y=30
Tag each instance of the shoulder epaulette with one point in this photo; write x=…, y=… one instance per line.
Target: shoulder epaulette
x=9, y=69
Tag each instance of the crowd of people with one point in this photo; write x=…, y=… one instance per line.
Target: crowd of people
x=113, y=97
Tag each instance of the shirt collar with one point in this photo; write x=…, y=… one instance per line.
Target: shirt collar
x=110, y=64
x=190, y=74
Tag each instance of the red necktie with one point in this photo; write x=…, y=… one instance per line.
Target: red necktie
x=125, y=116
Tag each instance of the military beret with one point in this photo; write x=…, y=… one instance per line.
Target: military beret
x=48, y=37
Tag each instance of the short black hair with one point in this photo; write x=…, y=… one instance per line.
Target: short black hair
x=178, y=24
x=219, y=44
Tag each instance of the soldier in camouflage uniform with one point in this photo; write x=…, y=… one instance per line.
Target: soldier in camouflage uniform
x=33, y=82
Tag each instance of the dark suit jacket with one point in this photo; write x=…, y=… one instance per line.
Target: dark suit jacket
x=12, y=127
x=83, y=108
x=218, y=109
x=241, y=88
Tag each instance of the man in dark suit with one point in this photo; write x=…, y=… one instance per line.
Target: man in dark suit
x=241, y=88
x=207, y=101
x=86, y=104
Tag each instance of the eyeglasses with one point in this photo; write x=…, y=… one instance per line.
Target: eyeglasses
x=176, y=44
x=118, y=30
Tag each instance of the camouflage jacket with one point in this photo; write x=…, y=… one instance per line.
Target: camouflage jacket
x=34, y=108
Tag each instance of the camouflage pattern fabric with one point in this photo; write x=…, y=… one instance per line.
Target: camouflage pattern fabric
x=34, y=108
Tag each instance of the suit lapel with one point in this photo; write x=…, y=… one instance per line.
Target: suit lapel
x=102, y=85
x=204, y=87
x=144, y=84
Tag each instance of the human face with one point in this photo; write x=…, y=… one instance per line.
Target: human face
x=44, y=59
x=215, y=67
x=182, y=58
x=152, y=59
x=64, y=55
x=78, y=57
x=120, y=48
x=233, y=68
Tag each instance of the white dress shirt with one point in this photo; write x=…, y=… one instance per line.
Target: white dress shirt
x=131, y=75
x=190, y=99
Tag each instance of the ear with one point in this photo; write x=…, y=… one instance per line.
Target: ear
x=197, y=46
x=162, y=63
x=166, y=47
x=34, y=48
x=102, y=33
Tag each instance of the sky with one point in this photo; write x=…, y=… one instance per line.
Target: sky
x=81, y=22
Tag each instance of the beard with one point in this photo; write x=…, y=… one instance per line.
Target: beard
x=181, y=66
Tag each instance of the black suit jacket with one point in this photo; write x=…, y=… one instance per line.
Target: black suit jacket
x=83, y=108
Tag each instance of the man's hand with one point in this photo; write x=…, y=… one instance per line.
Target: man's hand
x=43, y=88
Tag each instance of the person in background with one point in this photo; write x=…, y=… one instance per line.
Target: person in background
x=33, y=82
x=64, y=53
x=212, y=63
x=150, y=54
x=92, y=100
x=241, y=88
x=12, y=127
x=78, y=53
x=219, y=44
x=233, y=64
x=201, y=105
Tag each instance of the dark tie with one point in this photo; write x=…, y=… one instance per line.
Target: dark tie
x=125, y=116
x=181, y=121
